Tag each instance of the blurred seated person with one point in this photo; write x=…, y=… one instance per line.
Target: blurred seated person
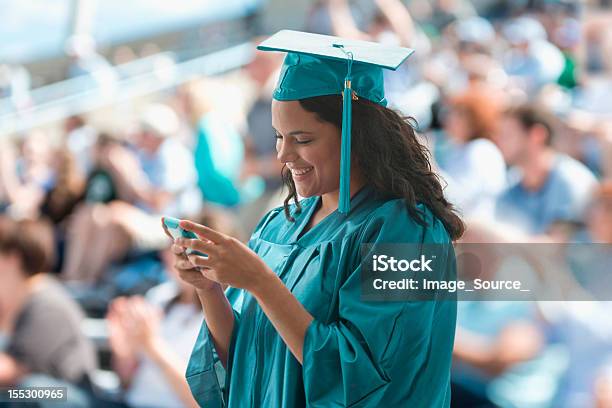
x=545, y=186
x=151, y=339
x=471, y=164
x=100, y=186
x=260, y=143
x=156, y=177
x=60, y=201
x=26, y=175
x=585, y=327
x=41, y=322
x=8, y=179
x=492, y=339
x=501, y=346
x=260, y=158
x=80, y=139
x=596, y=227
x=531, y=60
x=589, y=252
x=219, y=148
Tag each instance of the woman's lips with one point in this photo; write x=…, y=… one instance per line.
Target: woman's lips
x=301, y=173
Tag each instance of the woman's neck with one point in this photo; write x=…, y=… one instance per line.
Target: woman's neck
x=330, y=201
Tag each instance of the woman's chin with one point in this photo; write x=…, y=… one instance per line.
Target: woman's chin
x=305, y=195
x=306, y=192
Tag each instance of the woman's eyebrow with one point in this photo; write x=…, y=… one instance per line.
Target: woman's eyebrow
x=295, y=132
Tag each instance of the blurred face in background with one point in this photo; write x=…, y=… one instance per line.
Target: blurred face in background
x=512, y=139
x=472, y=114
x=308, y=147
x=36, y=149
x=457, y=125
x=149, y=142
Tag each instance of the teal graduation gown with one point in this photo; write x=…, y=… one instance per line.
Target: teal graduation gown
x=356, y=353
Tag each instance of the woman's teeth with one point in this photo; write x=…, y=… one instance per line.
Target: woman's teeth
x=301, y=172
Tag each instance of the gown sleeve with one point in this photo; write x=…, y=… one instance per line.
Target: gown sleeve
x=205, y=374
x=376, y=353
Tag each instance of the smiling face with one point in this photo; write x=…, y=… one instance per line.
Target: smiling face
x=309, y=147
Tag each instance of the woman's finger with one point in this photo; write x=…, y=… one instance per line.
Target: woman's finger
x=210, y=274
x=200, y=261
x=198, y=245
x=184, y=265
x=177, y=249
x=203, y=231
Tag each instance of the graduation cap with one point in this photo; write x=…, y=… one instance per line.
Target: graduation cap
x=318, y=65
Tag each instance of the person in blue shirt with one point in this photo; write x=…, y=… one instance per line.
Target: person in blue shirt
x=292, y=329
x=546, y=186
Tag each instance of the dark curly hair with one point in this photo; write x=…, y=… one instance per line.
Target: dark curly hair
x=392, y=160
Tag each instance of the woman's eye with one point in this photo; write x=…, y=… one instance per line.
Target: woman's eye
x=303, y=141
x=277, y=136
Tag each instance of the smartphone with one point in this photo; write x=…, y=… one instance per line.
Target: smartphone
x=172, y=224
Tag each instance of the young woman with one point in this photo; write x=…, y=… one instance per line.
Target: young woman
x=292, y=330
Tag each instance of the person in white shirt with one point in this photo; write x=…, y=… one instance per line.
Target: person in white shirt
x=151, y=340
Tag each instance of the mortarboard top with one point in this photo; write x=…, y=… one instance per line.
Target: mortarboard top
x=318, y=65
x=368, y=52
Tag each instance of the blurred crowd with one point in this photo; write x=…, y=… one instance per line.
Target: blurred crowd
x=512, y=98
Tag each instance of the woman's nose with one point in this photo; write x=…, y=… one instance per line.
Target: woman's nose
x=285, y=152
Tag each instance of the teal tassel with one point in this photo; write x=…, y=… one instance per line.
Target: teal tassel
x=344, y=204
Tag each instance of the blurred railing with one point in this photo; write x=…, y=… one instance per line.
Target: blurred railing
x=57, y=101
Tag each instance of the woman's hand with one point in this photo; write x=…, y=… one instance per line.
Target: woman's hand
x=188, y=271
x=229, y=261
